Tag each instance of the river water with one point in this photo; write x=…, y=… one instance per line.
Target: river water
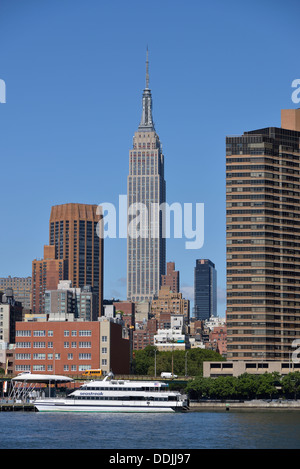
x=194, y=430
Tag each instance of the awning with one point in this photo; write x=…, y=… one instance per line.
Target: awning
x=40, y=378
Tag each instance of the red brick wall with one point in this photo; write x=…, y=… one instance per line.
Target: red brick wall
x=119, y=347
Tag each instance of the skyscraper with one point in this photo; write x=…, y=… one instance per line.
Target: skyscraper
x=73, y=232
x=205, y=289
x=263, y=241
x=146, y=248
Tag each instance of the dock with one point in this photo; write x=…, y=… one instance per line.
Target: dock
x=16, y=407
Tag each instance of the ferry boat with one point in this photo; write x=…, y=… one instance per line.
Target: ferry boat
x=117, y=396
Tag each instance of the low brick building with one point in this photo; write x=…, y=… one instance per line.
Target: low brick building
x=65, y=347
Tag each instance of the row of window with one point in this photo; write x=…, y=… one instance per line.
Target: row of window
x=42, y=356
x=50, y=345
x=123, y=398
x=73, y=368
x=42, y=333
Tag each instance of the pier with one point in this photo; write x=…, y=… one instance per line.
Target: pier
x=16, y=407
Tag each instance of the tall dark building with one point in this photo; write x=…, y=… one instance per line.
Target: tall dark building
x=73, y=232
x=205, y=289
x=146, y=250
x=263, y=241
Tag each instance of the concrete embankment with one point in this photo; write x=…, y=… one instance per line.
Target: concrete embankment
x=246, y=405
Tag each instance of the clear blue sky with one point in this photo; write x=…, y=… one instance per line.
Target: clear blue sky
x=74, y=73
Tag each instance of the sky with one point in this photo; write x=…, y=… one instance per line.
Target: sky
x=74, y=73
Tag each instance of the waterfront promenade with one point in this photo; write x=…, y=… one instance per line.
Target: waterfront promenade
x=255, y=404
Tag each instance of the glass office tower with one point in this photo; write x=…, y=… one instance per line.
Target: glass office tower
x=205, y=289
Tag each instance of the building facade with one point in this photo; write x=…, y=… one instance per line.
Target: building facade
x=263, y=241
x=46, y=274
x=218, y=340
x=173, y=338
x=146, y=247
x=21, y=289
x=171, y=278
x=81, y=303
x=238, y=368
x=11, y=311
x=74, y=231
x=205, y=289
x=70, y=347
x=127, y=311
x=170, y=302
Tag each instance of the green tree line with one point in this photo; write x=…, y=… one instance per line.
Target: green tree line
x=182, y=362
x=246, y=386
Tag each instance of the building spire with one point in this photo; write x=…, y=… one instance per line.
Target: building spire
x=147, y=70
x=146, y=123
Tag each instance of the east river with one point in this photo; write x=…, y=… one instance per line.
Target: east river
x=193, y=430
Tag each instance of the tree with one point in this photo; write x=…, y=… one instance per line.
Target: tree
x=199, y=388
x=246, y=386
x=291, y=385
x=144, y=361
x=267, y=385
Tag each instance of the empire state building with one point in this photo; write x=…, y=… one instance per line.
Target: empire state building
x=146, y=191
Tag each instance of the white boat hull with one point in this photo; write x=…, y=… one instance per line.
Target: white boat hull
x=56, y=405
x=117, y=396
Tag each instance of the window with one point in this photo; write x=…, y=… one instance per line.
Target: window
x=22, y=367
x=85, y=344
x=23, y=345
x=39, y=333
x=85, y=356
x=39, y=368
x=23, y=356
x=85, y=333
x=23, y=333
x=39, y=356
x=39, y=344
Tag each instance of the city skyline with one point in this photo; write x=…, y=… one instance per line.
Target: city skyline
x=66, y=103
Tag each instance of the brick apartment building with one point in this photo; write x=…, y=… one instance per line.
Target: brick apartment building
x=70, y=347
x=218, y=339
x=46, y=274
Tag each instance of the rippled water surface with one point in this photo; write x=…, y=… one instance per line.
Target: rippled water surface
x=195, y=430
